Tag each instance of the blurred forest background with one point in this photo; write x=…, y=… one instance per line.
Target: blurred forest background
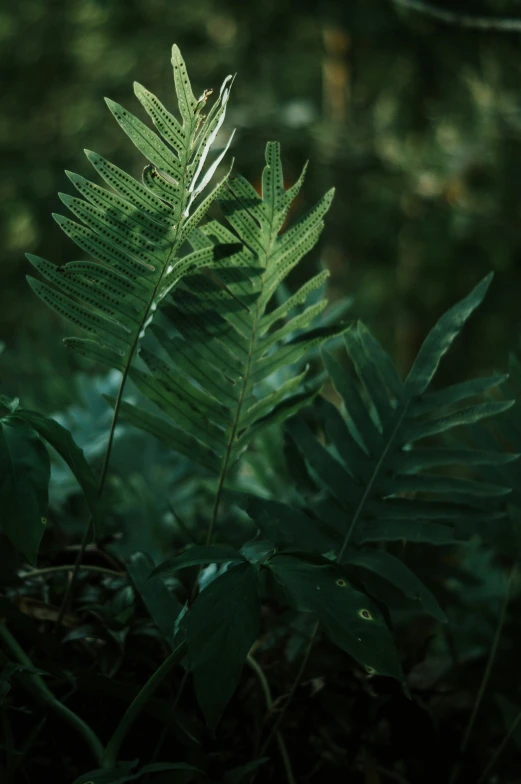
x=416, y=123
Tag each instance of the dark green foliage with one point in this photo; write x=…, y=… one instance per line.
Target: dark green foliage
x=198, y=555
x=221, y=627
x=384, y=418
x=123, y=773
x=162, y=605
x=343, y=497
x=136, y=235
x=61, y=440
x=224, y=343
x=350, y=619
x=398, y=574
x=25, y=472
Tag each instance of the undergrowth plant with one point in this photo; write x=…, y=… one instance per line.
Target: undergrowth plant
x=185, y=308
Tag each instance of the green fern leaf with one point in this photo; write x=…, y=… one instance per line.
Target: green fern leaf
x=136, y=233
x=375, y=481
x=504, y=433
x=224, y=343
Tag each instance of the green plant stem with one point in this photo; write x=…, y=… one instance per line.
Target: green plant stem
x=461, y=20
x=110, y=757
x=286, y=761
x=296, y=683
x=67, y=568
x=89, y=529
x=37, y=686
x=500, y=749
x=486, y=675
x=370, y=483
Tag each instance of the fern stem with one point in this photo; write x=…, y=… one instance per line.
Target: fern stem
x=486, y=674
x=106, y=460
x=37, y=686
x=500, y=749
x=296, y=683
x=89, y=529
x=286, y=761
x=235, y=425
x=110, y=757
x=371, y=482
x=67, y=568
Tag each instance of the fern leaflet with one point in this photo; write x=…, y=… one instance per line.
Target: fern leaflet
x=226, y=342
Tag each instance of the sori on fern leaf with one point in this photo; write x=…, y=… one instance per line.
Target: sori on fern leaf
x=218, y=346
x=136, y=232
x=227, y=341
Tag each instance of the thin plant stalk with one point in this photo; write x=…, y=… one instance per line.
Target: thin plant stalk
x=34, y=573
x=110, y=757
x=296, y=683
x=286, y=761
x=89, y=529
x=486, y=675
x=37, y=686
x=500, y=749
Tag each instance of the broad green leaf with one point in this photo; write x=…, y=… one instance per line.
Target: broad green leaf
x=24, y=482
x=258, y=551
x=222, y=625
x=161, y=603
x=394, y=571
x=62, y=441
x=286, y=526
x=198, y=554
x=350, y=619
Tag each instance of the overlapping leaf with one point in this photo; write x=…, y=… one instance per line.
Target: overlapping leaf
x=24, y=480
x=504, y=433
x=226, y=342
x=350, y=619
x=221, y=627
x=376, y=479
x=25, y=473
x=135, y=234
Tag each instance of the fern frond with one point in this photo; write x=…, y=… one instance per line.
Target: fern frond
x=504, y=433
x=227, y=342
x=380, y=487
x=135, y=233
